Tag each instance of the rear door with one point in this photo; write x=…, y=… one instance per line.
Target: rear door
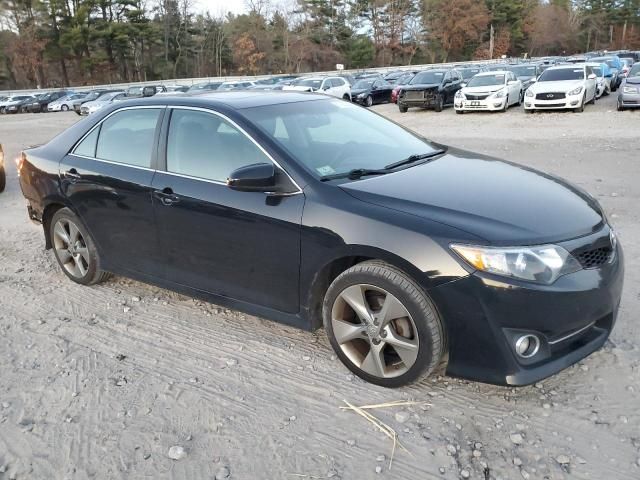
x=107, y=179
x=240, y=245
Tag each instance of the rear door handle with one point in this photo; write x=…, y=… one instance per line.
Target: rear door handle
x=166, y=196
x=72, y=174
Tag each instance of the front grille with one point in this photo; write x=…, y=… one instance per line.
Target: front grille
x=550, y=96
x=476, y=97
x=549, y=105
x=414, y=95
x=594, y=258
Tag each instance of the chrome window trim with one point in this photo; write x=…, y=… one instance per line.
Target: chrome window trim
x=97, y=125
x=246, y=134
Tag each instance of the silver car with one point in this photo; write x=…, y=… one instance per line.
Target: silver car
x=65, y=103
x=629, y=96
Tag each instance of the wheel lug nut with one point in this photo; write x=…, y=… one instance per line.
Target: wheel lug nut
x=383, y=333
x=376, y=341
x=376, y=322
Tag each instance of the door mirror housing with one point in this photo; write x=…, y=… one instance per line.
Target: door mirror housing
x=463, y=84
x=326, y=87
x=447, y=81
x=512, y=82
x=592, y=76
x=148, y=91
x=259, y=177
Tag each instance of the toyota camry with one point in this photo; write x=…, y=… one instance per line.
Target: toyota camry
x=315, y=212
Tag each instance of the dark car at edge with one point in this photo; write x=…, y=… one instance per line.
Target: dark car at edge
x=371, y=91
x=314, y=212
x=434, y=89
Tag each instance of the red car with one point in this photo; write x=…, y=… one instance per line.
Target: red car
x=401, y=82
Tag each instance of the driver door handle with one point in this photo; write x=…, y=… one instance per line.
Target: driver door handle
x=166, y=196
x=72, y=174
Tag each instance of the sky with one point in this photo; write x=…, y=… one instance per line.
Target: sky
x=220, y=6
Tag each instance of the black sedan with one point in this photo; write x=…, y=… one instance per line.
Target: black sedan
x=371, y=91
x=41, y=103
x=311, y=211
x=430, y=89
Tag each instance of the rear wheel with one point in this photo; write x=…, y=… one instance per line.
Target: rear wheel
x=74, y=249
x=346, y=97
x=3, y=179
x=382, y=326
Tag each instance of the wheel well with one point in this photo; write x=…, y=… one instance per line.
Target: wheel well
x=47, y=215
x=321, y=284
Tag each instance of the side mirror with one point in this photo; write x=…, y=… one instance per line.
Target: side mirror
x=326, y=87
x=447, y=81
x=592, y=76
x=148, y=91
x=259, y=177
x=463, y=84
x=512, y=82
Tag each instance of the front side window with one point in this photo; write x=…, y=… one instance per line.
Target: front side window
x=204, y=145
x=127, y=137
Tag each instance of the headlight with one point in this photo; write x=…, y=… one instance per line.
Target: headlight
x=362, y=95
x=630, y=90
x=539, y=264
x=529, y=93
x=498, y=94
x=575, y=91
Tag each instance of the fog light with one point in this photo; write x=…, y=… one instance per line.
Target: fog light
x=527, y=346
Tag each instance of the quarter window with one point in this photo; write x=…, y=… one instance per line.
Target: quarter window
x=127, y=137
x=87, y=147
x=206, y=146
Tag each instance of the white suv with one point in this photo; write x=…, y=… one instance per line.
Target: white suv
x=562, y=87
x=334, y=86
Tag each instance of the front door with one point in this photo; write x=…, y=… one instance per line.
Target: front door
x=241, y=245
x=107, y=179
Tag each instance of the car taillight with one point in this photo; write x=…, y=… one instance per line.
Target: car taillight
x=20, y=161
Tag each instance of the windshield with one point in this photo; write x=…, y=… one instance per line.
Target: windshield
x=486, y=80
x=92, y=96
x=309, y=83
x=635, y=70
x=330, y=137
x=562, y=74
x=524, y=70
x=469, y=72
x=427, y=77
x=363, y=84
x=405, y=78
x=597, y=71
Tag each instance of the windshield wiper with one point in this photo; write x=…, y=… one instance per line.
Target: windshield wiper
x=355, y=174
x=413, y=159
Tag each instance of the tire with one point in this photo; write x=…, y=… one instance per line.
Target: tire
x=344, y=97
x=413, y=325
x=520, y=98
x=580, y=109
x=529, y=110
x=368, y=101
x=3, y=179
x=506, y=104
x=459, y=112
x=82, y=268
x=593, y=100
x=439, y=103
x=619, y=107
x=64, y=108
x=403, y=108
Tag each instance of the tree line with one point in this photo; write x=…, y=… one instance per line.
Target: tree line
x=52, y=43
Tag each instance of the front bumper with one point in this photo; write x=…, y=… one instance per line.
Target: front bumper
x=569, y=102
x=484, y=314
x=417, y=98
x=54, y=108
x=488, y=104
x=629, y=100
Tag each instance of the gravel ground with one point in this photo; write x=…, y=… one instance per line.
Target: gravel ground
x=125, y=380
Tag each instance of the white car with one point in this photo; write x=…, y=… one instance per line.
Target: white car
x=334, y=86
x=235, y=85
x=65, y=103
x=102, y=101
x=490, y=91
x=603, y=84
x=562, y=87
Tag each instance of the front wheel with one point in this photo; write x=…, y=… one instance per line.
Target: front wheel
x=439, y=103
x=580, y=109
x=64, y=108
x=382, y=325
x=74, y=249
x=369, y=101
x=3, y=179
x=403, y=108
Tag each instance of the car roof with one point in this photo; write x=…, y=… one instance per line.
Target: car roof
x=567, y=66
x=236, y=100
x=492, y=72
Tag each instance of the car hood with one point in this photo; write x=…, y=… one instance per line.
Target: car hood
x=421, y=86
x=498, y=201
x=298, y=88
x=487, y=89
x=559, y=86
x=633, y=80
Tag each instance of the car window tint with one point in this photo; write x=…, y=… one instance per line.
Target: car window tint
x=87, y=147
x=206, y=146
x=337, y=82
x=127, y=137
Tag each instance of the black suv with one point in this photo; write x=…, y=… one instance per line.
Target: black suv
x=430, y=89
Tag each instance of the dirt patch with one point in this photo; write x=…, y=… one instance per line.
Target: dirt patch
x=102, y=382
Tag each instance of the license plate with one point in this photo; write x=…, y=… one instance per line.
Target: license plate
x=475, y=104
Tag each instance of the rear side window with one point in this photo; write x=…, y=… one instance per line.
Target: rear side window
x=127, y=137
x=87, y=147
x=337, y=82
x=204, y=145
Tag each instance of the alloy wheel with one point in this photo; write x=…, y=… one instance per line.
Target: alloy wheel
x=375, y=331
x=71, y=248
